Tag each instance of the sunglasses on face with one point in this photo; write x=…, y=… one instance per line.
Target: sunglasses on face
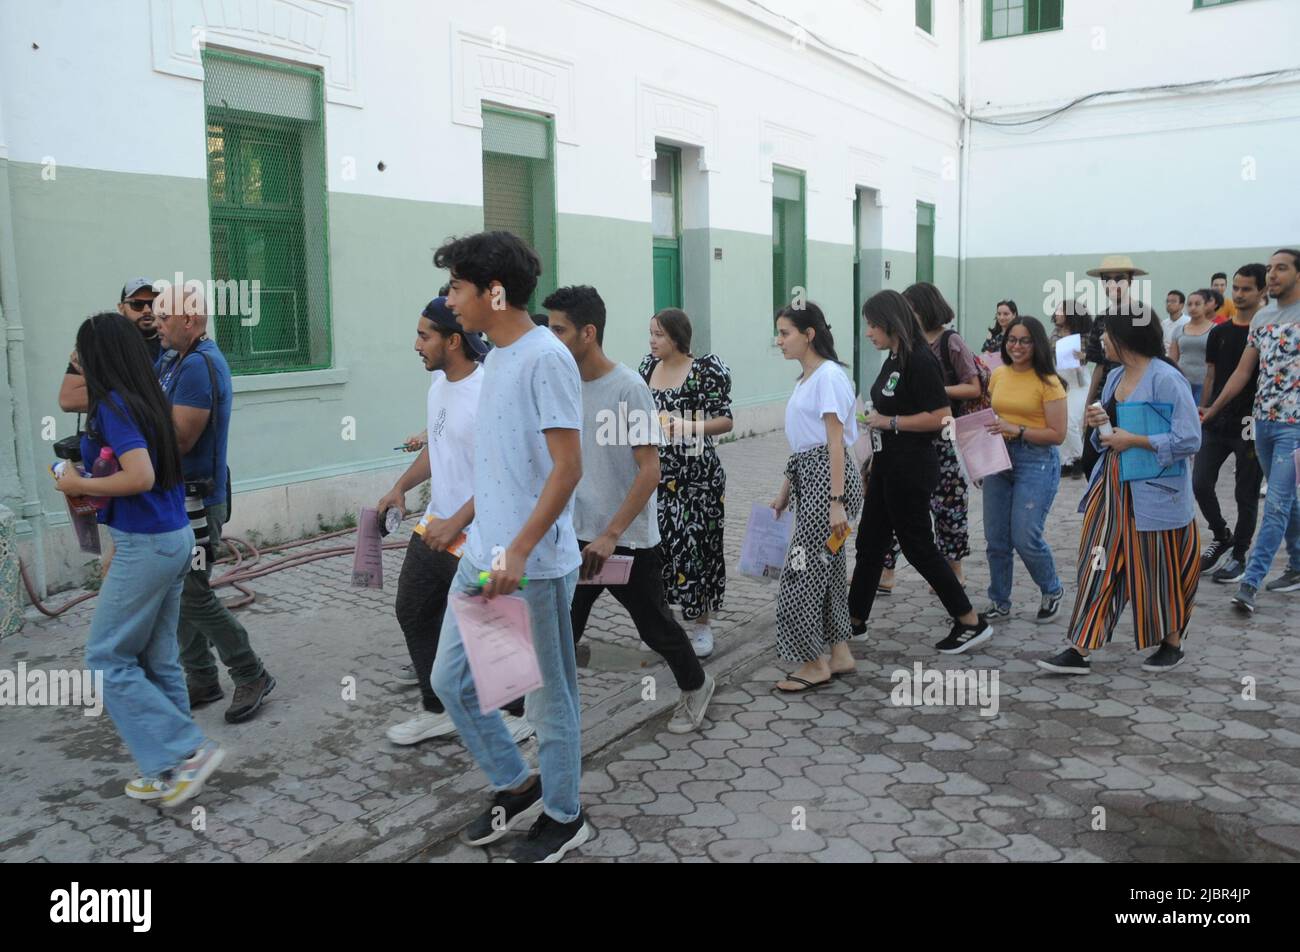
x=140, y=305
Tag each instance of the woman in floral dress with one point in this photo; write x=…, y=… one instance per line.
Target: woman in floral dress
x=693, y=395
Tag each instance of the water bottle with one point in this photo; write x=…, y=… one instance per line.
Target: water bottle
x=106, y=465
x=877, y=443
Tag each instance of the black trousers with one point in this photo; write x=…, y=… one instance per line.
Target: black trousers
x=898, y=505
x=643, y=597
x=1218, y=442
x=422, y=589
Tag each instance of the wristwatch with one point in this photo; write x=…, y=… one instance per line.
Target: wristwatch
x=837, y=498
x=893, y=423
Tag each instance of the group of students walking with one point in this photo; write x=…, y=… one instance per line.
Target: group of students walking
x=546, y=459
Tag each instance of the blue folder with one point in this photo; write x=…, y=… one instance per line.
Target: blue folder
x=1146, y=419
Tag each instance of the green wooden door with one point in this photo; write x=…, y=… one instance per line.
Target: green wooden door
x=665, y=225
x=667, y=274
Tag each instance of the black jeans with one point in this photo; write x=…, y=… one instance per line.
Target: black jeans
x=422, y=591
x=1218, y=442
x=898, y=505
x=643, y=597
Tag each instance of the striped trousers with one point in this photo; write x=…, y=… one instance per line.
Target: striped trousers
x=1158, y=572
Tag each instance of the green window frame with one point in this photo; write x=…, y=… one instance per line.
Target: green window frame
x=519, y=185
x=789, y=236
x=925, y=15
x=1005, y=18
x=924, y=242
x=268, y=213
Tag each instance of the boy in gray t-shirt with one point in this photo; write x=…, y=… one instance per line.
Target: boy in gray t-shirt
x=614, y=510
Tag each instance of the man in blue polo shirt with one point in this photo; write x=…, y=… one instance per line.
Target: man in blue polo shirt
x=196, y=378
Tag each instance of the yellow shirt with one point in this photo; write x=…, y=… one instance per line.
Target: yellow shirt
x=1019, y=396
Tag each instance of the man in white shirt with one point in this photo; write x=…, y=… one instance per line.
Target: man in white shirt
x=1174, y=304
x=433, y=554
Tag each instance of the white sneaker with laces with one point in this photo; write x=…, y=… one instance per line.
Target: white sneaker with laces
x=423, y=726
x=519, y=727
x=702, y=641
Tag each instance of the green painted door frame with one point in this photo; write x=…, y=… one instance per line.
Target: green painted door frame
x=667, y=248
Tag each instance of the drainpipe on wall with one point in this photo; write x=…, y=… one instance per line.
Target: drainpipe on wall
x=963, y=159
x=11, y=328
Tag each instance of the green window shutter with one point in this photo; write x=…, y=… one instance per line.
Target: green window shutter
x=1004, y=18
x=267, y=213
x=789, y=244
x=925, y=15
x=519, y=185
x=924, y=242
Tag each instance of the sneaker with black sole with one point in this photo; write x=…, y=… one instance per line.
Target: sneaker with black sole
x=1230, y=571
x=1244, y=600
x=1049, y=607
x=1214, y=553
x=1068, y=661
x=249, y=697
x=994, y=611
x=1163, y=658
x=1288, y=581
x=201, y=694
x=964, y=637
x=548, y=840
x=508, y=811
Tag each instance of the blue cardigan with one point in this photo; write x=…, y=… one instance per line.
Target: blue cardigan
x=1167, y=502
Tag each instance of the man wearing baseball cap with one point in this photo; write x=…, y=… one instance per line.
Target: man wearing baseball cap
x=454, y=357
x=136, y=303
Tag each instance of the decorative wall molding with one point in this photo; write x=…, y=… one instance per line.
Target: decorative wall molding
x=785, y=145
x=927, y=186
x=319, y=33
x=661, y=113
x=866, y=170
x=488, y=69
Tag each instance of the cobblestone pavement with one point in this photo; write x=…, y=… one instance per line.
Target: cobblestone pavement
x=1183, y=765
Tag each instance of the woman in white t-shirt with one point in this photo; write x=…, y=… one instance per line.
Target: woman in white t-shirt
x=822, y=481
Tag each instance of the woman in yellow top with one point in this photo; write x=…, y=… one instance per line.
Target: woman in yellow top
x=1029, y=399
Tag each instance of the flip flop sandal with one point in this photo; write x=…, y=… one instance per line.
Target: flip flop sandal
x=807, y=685
x=844, y=674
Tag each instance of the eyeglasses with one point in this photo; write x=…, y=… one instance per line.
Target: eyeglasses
x=1020, y=341
x=140, y=305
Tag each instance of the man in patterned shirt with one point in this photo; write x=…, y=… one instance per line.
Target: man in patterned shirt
x=1274, y=348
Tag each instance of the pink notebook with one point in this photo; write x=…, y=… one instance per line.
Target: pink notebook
x=498, y=640
x=616, y=571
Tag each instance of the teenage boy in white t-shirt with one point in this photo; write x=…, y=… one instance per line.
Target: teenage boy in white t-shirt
x=615, y=509
x=527, y=463
x=447, y=461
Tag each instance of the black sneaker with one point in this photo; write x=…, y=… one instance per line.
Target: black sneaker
x=1288, y=581
x=201, y=694
x=1244, y=600
x=508, y=811
x=549, y=840
x=1230, y=571
x=993, y=611
x=1068, y=661
x=964, y=637
x=1214, y=553
x=249, y=697
x=1164, y=658
x=1050, y=606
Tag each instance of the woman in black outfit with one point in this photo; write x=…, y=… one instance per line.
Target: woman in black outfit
x=909, y=405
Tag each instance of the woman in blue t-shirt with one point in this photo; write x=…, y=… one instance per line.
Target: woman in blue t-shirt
x=132, y=643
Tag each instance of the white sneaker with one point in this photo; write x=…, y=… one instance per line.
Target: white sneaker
x=424, y=725
x=691, y=707
x=519, y=727
x=702, y=641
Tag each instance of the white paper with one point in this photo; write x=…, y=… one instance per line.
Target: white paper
x=1065, y=351
x=762, y=554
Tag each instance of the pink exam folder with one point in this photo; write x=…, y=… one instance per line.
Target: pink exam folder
x=616, y=571
x=498, y=640
x=982, y=453
x=991, y=360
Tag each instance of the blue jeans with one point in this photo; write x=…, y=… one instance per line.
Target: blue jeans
x=1016, y=504
x=1275, y=444
x=554, y=709
x=133, y=641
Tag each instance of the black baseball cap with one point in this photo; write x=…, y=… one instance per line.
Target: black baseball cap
x=438, y=313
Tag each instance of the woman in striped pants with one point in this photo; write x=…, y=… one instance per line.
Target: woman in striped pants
x=1139, y=543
